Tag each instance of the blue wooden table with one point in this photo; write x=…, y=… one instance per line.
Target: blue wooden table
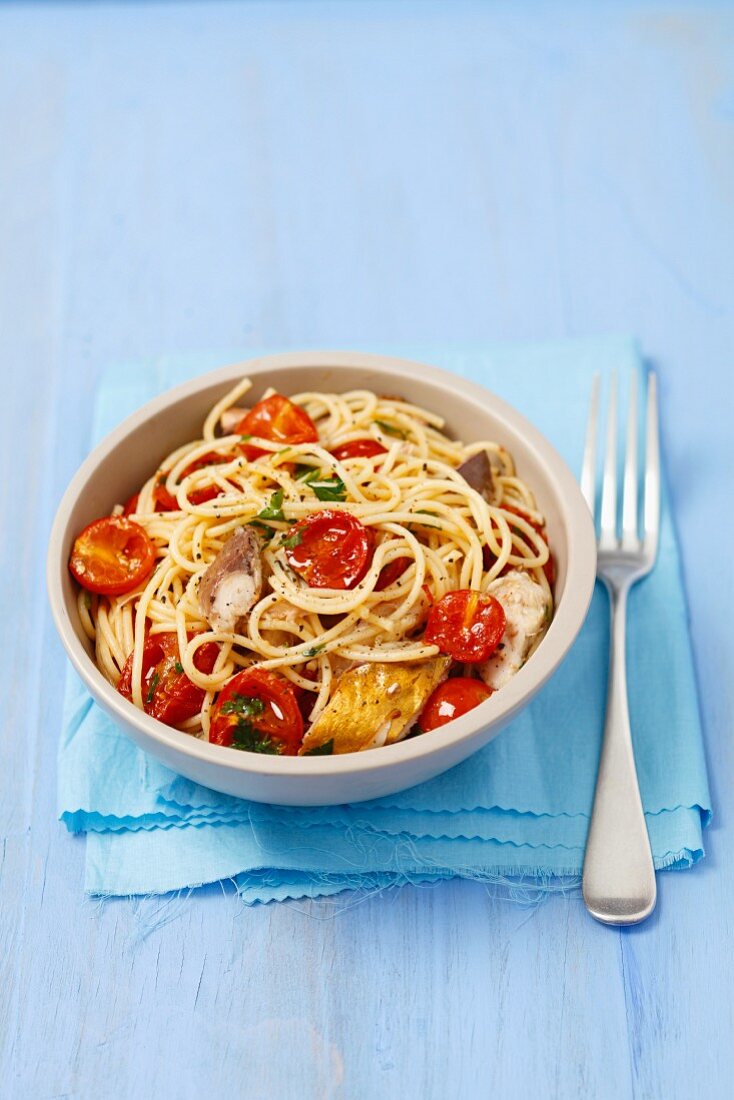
x=182, y=178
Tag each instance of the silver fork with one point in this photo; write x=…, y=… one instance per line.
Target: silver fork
x=619, y=878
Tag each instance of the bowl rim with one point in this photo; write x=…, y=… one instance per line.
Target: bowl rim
x=568, y=617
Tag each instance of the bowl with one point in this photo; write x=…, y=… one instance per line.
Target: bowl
x=124, y=460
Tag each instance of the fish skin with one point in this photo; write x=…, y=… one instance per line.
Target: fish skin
x=232, y=583
x=367, y=698
x=477, y=472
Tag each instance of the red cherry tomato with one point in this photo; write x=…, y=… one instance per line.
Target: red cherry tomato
x=466, y=625
x=278, y=419
x=210, y=492
x=450, y=700
x=112, y=556
x=332, y=549
x=168, y=694
x=131, y=505
x=258, y=709
x=164, y=501
x=391, y=572
x=359, y=448
x=305, y=699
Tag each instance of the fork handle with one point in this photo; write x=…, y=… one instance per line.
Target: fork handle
x=619, y=877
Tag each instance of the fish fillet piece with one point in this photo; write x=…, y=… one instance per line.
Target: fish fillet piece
x=477, y=472
x=527, y=610
x=233, y=582
x=376, y=704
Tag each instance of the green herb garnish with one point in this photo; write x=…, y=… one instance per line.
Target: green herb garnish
x=151, y=689
x=247, y=739
x=178, y=666
x=293, y=540
x=247, y=705
x=313, y=650
x=327, y=749
x=304, y=473
x=332, y=488
x=265, y=532
x=390, y=429
x=274, y=508
x=244, y=438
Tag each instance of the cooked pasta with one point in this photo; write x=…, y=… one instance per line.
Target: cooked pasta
x=422, y=532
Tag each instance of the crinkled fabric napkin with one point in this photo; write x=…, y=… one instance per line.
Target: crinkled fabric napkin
x=515, y=812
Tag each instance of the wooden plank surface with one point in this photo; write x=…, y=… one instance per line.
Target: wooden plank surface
x=181, y=178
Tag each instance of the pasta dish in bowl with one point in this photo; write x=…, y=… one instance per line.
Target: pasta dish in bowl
x=319, y=568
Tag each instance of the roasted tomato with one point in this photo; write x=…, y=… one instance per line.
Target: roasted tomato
x=258, y=711
x=467, y=625
x=279, y=419
x=131, y=505
x=168, y=694
x=112, y=556
x=359, y=448
x=391, y=572
x=330, y=549
x=450, y=700
x=210, y=492
x=165, y=502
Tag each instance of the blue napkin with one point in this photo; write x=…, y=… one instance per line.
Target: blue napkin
x=516, y=812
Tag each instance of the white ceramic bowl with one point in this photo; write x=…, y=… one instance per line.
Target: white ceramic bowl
x=120, y=464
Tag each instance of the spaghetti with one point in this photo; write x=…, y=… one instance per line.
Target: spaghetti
x=379, y=465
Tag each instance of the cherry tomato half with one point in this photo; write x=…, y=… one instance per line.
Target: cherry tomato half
x=168, y=694
x=359, y=448
x=258, y=710
x=131, y=505
x=164, y=501
x=391, y=572
x=112, y=556
x=466, y=625
x=330, y=549
x=279, y=419
x=450, y=700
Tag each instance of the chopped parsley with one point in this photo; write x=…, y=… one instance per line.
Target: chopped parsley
x=325, y=488
x=274, y=508
x=152, y=687
x=265, y=532
x=327, y=749
x=248, y=706
x=313, y=651
x=292, y=540
x=178, y=666
x=244, y=438
x=248, y=739
x=391, y=429
x=332, y=488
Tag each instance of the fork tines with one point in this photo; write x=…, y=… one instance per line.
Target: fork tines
x=610, y=537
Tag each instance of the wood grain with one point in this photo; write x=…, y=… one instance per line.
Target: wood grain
x=182, y=178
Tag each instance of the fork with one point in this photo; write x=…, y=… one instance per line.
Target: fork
x=619, y=877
